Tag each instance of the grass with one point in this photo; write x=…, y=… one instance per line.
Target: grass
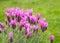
x=48, y=8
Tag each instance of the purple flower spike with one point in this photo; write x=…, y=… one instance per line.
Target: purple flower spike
x=22, y=23
x=8, y=16
x=44, y=26
x=30, y=11
x=22, y=13
x=27, y=25
x=33, y=20
x=35, y=28
x=11, y=37
x=4, y=30
x=13, y=15
x=28, y=34
x=28, y=16
x=24, y=18
x=1, y=25
x=38, y=16
x=8, y=10
x=13, y=23
x=44, y=19
x=0, y=30
x=51, y=38
x=18, y=15
x=12, y=10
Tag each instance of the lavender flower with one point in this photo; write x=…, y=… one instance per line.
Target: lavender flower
x=22, y=13
x=13, y=15
x=1, y=25
x=11, y=37
x=35, y=28
x=8, y=16
x=38, y=16
x=28, y=16
x=28, y=34
x=43, y=25
x=27, y=25
x=4, y=30
x=18, y=15
x=51, y=38
x=30, y=12
x=13, y=23
x=33, y=20
x=22, y=23
x=44, y=19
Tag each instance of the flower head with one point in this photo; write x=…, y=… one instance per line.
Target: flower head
x=27, y=25
x=4, y=29
x=35, y=28
x=11, y=36
x=43, y=25
x=13, y=23
x=33, y=19
x=44, y=19
x=30, y=11
x=38, y=16
x=51, y=38
x=28, y=34
x=1, y=25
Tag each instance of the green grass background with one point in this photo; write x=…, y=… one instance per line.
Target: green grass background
x=47, y=8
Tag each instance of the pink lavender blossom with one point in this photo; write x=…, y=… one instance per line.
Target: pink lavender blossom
x=13, y=23
x=4, y=30
x=30, y=11
x=27, y=25
x=35, y=28
x=22, y=13
x=44, y=19
x=13, y=15
x=8, y=17
x=18, y=15
x=28, y=34
x=12, y=10
x=11, y=37
x=28, y=16
x=33, y=20
x=43, y=25
x=51, y=38
x=1, y=25
x=38, y=16
x=22, y=23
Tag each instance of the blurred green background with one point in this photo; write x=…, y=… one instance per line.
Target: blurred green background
x=47, y=8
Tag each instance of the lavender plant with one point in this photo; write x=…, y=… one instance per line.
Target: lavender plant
x=21, y=26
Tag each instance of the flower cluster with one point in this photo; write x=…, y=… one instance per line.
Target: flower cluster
x=26, y=19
